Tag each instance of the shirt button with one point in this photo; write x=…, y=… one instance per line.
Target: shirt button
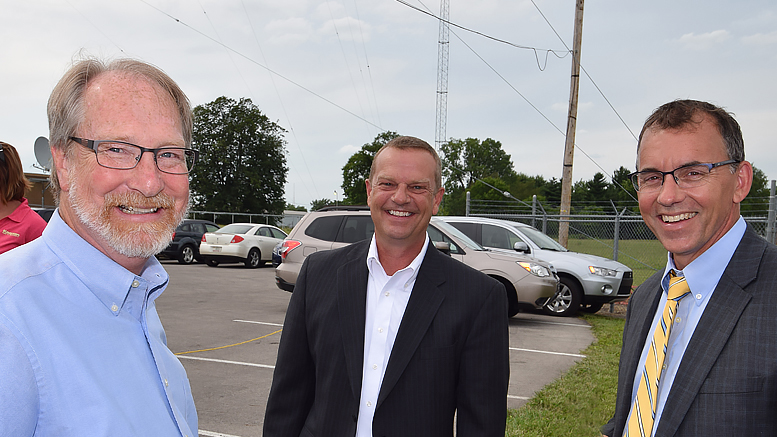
x=663, y=367
x=165, y=382
x=698, y=296
x=374, y=367
x=114, y=308
x=678, y=319
x=135, y=283
x=380, y=330
x=369, y=403
x=387, y=294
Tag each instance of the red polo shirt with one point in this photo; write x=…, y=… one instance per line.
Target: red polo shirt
x=22, y=226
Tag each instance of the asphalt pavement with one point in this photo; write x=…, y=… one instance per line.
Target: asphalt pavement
x=225, y=323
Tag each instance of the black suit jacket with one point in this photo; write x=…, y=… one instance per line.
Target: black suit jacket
x=450, y=354
x=727, y=381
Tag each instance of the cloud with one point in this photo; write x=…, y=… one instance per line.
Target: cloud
x=291, y=30
x=349, y=149
x=761, y=38
x=703, y=41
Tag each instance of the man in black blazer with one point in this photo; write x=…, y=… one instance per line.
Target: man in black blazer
x=390, y=337
x=719, y=377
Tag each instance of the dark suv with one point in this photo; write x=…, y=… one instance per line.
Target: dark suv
x=185, y=246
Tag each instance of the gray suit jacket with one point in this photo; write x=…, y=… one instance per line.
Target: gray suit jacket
x=450, y=354
x=727, y=381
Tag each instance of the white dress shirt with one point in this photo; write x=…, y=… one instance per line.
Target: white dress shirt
x=387, y=298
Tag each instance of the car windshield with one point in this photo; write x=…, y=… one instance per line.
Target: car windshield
x=235, y=229
x=457, y=234
x=543, y=241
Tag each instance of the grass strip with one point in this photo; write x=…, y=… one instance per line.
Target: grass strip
x=582, y=400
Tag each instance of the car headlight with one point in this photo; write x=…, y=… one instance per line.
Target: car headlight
x=535, y=269
x=601, y=271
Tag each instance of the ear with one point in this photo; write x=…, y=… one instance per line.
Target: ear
x=62, y=167
x=438, y=200
x=744, y=175
x=369, y=190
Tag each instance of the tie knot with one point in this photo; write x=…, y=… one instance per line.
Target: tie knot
x=678, y=286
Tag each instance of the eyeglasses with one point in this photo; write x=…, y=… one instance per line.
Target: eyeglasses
x=687, y=176
x=120, y=155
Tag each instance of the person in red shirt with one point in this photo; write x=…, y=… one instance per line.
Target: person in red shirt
x=18, y=223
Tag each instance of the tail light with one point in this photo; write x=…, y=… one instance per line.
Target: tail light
x=203, y=239
x=237, y=239
x=173, y=238
x=288, y=246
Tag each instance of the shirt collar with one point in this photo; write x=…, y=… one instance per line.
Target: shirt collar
x=703, y=273
x=106, y=279
x=20, y=212
x=373, y=261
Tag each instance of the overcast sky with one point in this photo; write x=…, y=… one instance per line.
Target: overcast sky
x=347, y=70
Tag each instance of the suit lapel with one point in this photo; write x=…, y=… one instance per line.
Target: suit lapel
x=352, y=300
x=424, y=302
x=713, y=331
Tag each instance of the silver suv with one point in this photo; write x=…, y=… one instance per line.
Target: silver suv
x=529, y=283
x=587, y=281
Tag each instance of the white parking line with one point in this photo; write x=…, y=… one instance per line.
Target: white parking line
x=546, y=352
x=214, y=434
x=520, y=398
x=259, y=323
x=187, y=357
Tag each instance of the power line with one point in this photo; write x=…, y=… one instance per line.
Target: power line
x=264, y=66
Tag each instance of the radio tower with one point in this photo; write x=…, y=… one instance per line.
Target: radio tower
x=442, y=77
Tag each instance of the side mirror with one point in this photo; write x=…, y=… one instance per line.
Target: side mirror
x=520, y=246
x=443, y=247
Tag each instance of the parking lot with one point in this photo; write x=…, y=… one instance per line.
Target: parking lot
x=225, y=323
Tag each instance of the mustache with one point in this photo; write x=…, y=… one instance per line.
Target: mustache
x=137, y=200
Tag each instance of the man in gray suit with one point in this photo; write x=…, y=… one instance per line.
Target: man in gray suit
x=389, y=336
x=719, y=374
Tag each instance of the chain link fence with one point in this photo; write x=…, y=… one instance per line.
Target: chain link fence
x=612, y=229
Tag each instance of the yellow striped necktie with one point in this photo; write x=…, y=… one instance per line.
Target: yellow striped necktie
x=643, y=411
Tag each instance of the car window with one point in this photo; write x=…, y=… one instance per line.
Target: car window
x=437, y=236
x=264, y=232
x=198, y=228
x=235, y=229
x=276, y=233
x=324, y=228
x=356, y=228
x=185, y=228
x=498, y=237
x=469, y=229
x=542, y=240
x=211, y=228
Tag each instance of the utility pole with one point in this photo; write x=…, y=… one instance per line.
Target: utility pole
x=569, y=147
x=442, y=77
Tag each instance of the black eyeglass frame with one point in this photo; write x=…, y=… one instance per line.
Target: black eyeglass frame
x=92, y=145
x=2, y=154
x=634, y=176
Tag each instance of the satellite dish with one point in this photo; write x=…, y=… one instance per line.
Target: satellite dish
x=43, y=153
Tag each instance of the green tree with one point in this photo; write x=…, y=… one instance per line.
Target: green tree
x=320, y=203
x=291, y=207
x=242, y=166
x=464, y=162
x=357, y=169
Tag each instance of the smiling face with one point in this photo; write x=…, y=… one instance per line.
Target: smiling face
x=403, y=196
x=689, y=221
x=129, y=215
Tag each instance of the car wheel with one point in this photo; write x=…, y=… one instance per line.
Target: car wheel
x=212, y=262
x=254, y=258
x=567, y=301
x=186, y=254
x=591, y=307
x=512, y=297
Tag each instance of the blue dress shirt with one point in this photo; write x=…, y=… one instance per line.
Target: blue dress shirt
x=702, y=275
x=82, y=350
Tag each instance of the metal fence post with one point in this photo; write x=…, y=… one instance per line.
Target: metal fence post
x=770, y=223
x=533, y=210
x=467, y=207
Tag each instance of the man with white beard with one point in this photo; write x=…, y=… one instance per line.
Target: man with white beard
x=82, y=349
